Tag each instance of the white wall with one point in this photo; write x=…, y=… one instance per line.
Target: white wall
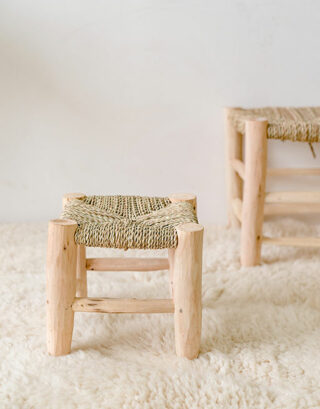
x=126, y=97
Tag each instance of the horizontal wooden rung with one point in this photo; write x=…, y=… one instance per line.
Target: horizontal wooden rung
x=292, y=197
x=293, y=171
x=293, y=241
x=271, y=209
x=239, y=167
x=127, y=264
x=123, y=305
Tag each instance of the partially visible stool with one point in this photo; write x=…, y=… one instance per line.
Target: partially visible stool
x=249, y=203
x=125, y=222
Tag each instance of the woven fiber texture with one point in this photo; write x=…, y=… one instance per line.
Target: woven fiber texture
x=295, y=124
x=128, y=222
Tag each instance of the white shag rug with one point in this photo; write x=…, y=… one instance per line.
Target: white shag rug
x=260, y=344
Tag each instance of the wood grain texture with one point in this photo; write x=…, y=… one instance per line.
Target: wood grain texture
x=123, y=305
x=82, y=290
x=171, y=253
x=61, y=285
x=293, y=241
x=187, y=283
x=127, y=264
x=254, y=191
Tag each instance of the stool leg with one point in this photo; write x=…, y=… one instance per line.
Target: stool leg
x=254, y=191
x=234, y=182
x=171, y=269
x=61, y=285
x=81, y=271
x=187, y=290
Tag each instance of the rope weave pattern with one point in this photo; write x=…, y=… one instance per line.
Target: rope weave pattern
x=125, y=222
x=295, y=124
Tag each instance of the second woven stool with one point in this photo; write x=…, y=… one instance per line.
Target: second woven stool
x=249, y=203
x=125, y=222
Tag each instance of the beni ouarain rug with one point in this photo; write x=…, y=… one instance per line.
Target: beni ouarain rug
x=260, y=343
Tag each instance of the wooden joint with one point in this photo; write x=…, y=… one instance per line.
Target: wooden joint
x=184, y=197
x=238, y=166
x=72, y=196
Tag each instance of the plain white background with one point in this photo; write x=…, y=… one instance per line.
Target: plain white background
x=126, y=97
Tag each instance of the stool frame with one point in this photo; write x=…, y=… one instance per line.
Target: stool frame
x=248, y=202
x=67, y=268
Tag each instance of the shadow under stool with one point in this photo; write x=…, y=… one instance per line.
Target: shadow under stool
x=125, y=222
x=247, y=200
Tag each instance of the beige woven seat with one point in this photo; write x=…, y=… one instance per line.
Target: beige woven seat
x=125, y=222
x=295, y=124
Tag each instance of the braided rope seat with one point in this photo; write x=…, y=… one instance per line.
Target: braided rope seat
x=295, y=124
x=124, y=222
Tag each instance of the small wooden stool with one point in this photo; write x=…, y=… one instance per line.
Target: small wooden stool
x=249, y=203
x=125, y=222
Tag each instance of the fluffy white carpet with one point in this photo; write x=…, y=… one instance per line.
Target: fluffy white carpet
x=260, y=343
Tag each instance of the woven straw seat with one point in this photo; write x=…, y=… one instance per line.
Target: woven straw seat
x=125, y=222
x=295, y=124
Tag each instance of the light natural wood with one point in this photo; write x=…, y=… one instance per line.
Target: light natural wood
x=293, y=241
x=171, y=270
x=187, y=290
x=292, y=197
x=61, y=285
x=233, y=152
x=237, y=208
x=239, y=167
x=178, y=197
x=254, y=190
x=123, y=305
x=184, y=197
x=81, y=252
x=293, y=171
x=127, y=264
x=71, y=196
x=273, y=209
x=81, y=271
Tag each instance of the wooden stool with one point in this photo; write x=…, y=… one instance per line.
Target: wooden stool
x=138, y=222
x=248, y=202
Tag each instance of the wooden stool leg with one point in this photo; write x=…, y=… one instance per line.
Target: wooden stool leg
x=254, y=191
x=174, y=198
x=234, y=182
x=171, y=269
x=81, y=251
x=81, y=272
x=61, y=285
x=187, y=290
